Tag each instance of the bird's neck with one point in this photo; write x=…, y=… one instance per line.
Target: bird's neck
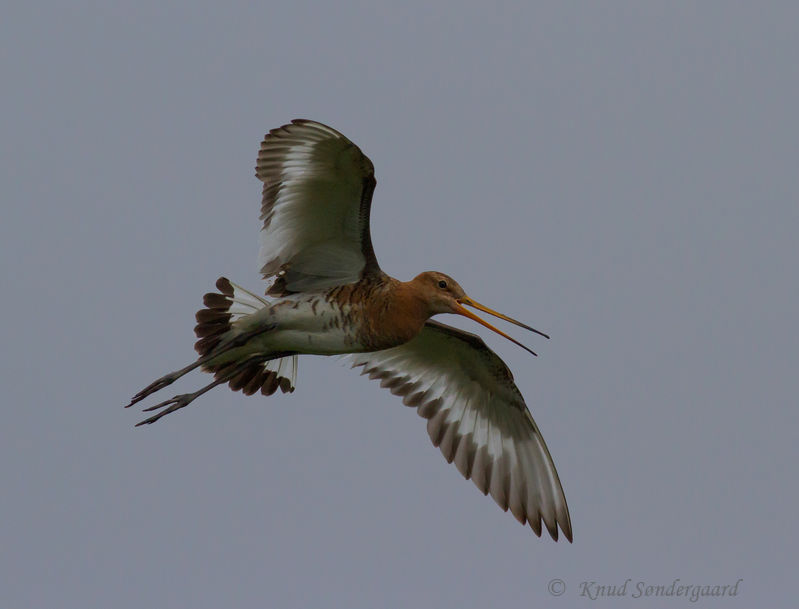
x=398, y=315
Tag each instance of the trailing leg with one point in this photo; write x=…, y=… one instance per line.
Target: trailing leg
x=184, y=399
x=219, y=349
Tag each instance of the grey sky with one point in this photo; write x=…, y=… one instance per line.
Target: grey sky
x=622, y=176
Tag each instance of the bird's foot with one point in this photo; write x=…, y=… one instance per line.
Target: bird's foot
x=156, y=385
x=175, y=403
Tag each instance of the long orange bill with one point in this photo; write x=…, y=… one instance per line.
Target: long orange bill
x=466, y=313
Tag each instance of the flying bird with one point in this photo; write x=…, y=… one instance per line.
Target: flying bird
x=327, y=295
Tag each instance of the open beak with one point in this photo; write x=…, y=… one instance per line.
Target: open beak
x=466, y=313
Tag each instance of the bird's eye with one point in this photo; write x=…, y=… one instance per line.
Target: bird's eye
x=442, y=284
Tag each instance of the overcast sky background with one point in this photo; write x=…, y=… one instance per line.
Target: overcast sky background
x=621, y=175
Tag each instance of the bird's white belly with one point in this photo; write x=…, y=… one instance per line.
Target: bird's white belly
x=303, y=325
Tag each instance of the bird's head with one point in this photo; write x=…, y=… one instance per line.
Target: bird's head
x=443, y=294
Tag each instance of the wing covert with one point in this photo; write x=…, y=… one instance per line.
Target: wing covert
x=317, y=197
x=477, y=417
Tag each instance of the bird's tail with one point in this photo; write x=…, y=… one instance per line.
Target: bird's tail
x=215, y=321
x=224, y=334
x=217, y=333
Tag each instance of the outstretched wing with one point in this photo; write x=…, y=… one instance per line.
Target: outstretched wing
x=317, y=194
x=477, y=417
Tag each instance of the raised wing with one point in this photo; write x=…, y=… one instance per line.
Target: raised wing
x=317, y=194
x=477, y=417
